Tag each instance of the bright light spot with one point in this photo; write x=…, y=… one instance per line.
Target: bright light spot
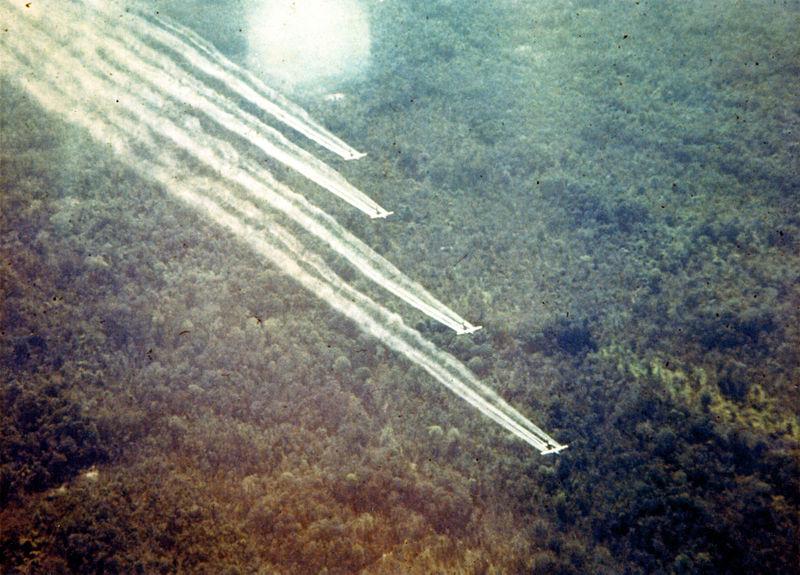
x=92, y=474
x=305, y=42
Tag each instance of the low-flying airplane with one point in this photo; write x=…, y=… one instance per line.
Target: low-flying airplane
x=381, y=213
x=468, y=328
x=355, y=155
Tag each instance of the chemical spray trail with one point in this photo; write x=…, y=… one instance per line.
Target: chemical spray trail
x=150, y=67
x=121, y=59
x=144, y=136
x=210, y=61
x=273, y=242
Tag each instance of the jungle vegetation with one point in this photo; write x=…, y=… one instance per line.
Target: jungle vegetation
x=610, y=188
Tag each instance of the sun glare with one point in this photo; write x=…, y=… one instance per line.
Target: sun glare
x=304, y=42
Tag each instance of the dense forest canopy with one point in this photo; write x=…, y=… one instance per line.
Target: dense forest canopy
x=610, y=188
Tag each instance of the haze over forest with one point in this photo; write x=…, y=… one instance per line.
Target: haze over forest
x=609, y=188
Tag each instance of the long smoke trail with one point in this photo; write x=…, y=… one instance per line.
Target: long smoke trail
x=200, y=53
x=178, y=85
x=136, y=128
x=143, y=61
x=220, y=161
x=282, y=249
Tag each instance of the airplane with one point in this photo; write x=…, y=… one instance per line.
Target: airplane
x=468, y=328
x=380, y=213
x=554, y=449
